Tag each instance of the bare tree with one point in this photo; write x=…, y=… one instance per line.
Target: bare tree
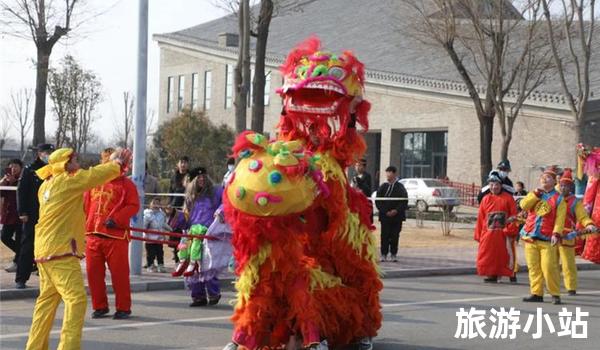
x=18, y=113
x=573, y=28
x=242, y=68
x=44, y=22
x=256, y=26
x=125, y=122
x=258, y=88
x=75, y=94
x=493, y=43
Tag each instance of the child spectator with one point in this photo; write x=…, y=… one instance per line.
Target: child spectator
x=155, y=219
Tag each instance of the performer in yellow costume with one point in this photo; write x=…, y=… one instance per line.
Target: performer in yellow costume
x=543, y=229
x=576, y=214
x=59, y=244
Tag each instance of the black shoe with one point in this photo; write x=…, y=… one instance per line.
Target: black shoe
x=572, y=292
x=513, y=279
x=99, y=313
x=556, y=300
x=214, y=300
x=20, y=285
x=121, y=315
x=199, y=302
x=534, y=299
x=490, y=280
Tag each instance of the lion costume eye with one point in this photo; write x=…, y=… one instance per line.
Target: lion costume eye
x=301, y=71
x=337, y=72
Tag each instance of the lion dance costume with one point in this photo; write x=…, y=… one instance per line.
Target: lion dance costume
x=590, y=163
x=303, y=241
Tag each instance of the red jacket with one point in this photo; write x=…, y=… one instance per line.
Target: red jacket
x=117, y=200
x=8, y=206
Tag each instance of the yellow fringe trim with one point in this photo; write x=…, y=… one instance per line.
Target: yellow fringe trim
x=320, y=279
x=249, y=277
x=331, y=168
x=356, y=235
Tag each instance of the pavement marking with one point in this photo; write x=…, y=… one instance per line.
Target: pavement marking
x=126, y=325
x=222, y=318
x=447, y=301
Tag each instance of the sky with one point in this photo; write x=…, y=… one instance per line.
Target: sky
x=107, y=45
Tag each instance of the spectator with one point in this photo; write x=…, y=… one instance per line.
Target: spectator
x=177, y=184
x=520, y=189
x=150, y=182
x=391, y=213
x=503, y=170
x=362, y=179
x=11, y=225
x=230, y=168
x=155, y=219
x=28, y=207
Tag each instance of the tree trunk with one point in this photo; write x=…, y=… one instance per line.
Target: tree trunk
x=578, y=126
x=241, y=93
x=486, y=132
x=41, y=86
x=505, y=145
x=258, y=103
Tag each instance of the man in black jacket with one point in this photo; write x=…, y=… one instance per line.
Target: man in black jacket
x=503, y=169
x=391, y=213
x=28, y=207
x=362, y=179
x=177, y=181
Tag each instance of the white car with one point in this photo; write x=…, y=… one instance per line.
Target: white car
x=425, y=193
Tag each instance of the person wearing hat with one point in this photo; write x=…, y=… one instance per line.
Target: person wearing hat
x=503, y=169
x=202, y=199
x=576, y=214
x=28, y=208
x=108, y=209
x=496, y=231
x=60, y=243
x=546, y=213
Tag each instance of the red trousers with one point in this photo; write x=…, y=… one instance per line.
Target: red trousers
x=114, y=252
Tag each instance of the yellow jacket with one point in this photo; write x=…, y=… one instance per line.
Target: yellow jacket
x=61, y=226
x=576, y=214
x=546, y=215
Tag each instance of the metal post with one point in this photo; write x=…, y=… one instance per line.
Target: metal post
x=139, y=142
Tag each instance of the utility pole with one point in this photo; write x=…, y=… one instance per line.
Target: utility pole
x=139, y=141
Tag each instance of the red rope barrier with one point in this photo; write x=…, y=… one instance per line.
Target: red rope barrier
x=172, y=234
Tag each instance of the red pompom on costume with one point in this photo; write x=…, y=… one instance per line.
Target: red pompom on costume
x=303, y=241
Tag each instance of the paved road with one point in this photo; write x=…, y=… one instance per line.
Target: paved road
x=419, y=313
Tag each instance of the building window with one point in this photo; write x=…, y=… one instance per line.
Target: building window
x=268, y=88
x=424, y=154
x=181, y=91
x=170, y=93
x=228, y=86
x=194, y=91
x=207, y=89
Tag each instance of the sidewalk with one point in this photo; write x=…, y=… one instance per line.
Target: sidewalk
x=423, y=252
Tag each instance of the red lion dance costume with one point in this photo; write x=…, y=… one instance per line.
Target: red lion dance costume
x=303, y=241
x=590, y=162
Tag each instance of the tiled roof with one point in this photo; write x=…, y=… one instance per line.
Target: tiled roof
x=373, y=30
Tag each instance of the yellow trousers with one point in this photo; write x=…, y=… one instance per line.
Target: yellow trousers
x=59, y=280
x=569, y=268
x=542, y=262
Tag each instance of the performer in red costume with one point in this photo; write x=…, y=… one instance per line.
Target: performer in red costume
x=496, y=232
x=109, y=209
x=591, y=201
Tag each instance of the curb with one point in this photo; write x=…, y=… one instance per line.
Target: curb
x=227, y=283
